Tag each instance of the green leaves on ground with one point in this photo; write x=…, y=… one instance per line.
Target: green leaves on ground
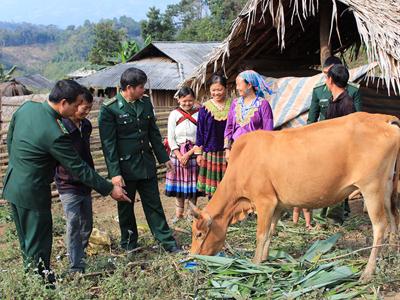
x=282, y=277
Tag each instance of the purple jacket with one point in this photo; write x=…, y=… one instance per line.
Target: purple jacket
x=211, y=124
x=242, y=119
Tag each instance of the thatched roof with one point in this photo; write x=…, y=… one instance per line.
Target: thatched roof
x=13, y=88
x=36, y=82
x=166, y=64
x=284, y=35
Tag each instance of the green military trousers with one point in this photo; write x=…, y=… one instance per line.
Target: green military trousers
x=336, y=213
x=34, y=228
x=153, y=210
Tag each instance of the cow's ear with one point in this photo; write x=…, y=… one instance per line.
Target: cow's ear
x=194, y=210
x=204, y=221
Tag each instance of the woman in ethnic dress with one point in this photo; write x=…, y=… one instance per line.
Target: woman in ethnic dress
x=182, y=126
x=251, y=111
x=210, y=137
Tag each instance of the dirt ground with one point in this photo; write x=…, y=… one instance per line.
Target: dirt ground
x=105, y=211
x=105, y=219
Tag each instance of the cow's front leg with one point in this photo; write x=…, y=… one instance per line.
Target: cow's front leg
x=275, y=219
x=264, y=217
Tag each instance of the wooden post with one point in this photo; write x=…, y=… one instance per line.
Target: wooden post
x=325, y=11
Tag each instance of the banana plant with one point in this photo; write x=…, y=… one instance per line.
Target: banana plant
x=127, y=50
x=6, y=75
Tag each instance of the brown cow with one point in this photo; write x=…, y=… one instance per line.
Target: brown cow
x=312, y=167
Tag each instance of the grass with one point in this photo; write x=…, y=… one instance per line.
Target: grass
x=151, y=273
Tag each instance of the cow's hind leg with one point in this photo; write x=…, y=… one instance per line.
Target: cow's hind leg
x=265, y=214
x=275, y=219
x=374, y=200
x=391, y=212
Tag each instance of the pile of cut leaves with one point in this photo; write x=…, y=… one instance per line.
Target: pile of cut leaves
x=318, y=274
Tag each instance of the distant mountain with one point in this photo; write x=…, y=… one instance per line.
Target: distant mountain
x=52, y=51
x=16, y=26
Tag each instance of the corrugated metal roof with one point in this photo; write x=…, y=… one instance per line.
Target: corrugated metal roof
x=165, y=71
x=189, y=54
x=35, y=81
x=82, y=72
x=162, y=74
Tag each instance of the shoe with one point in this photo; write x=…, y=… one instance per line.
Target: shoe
x=129, y=247
x=334, y=221
x=174, y=249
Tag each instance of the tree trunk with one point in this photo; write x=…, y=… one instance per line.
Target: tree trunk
x=325, y=10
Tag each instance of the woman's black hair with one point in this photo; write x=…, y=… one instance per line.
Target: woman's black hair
x=184, y=91
x=217, y=78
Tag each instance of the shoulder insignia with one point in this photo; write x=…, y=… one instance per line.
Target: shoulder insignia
x=62, y=126
x=355, y=85
x=110, y=101
x=145, y=98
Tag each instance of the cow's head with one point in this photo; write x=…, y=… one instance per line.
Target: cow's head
x=207, y=236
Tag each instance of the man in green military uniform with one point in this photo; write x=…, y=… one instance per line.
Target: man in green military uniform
x=130, y=139
x=317, y=112
x=37, y=141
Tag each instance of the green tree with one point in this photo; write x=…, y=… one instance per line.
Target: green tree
x=107, y=41
x=159, y=26
x=192, y=20
x=203, y=20
x=76, y=43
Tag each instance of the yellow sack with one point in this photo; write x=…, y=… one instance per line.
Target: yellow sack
x=98, y=241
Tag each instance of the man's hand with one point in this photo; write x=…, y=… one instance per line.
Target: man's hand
x=119, y=194
x=170, y=166
x=118, y=181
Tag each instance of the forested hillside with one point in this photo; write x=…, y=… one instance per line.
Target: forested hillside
x=54, y=52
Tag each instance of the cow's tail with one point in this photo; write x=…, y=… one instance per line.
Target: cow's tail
x=395, y=200
x=394, y=197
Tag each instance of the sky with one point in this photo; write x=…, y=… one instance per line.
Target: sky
x=74, y=12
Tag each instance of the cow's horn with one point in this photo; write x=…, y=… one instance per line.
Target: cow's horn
x=194, y=210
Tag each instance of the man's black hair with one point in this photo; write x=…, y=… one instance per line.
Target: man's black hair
x=332, y=60
x=87, y=95
x=132, y=77
x=65, y=89
x=339, y=74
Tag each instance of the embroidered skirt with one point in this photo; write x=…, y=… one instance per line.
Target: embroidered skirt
x=182, y=183
x=212, y=170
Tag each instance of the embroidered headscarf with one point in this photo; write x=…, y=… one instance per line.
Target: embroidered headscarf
x=260, y=85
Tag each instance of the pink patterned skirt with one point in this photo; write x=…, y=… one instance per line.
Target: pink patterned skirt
x=183, y=182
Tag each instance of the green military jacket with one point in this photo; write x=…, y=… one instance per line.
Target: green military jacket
x=37, y=141
x=129, y=137
x=321, y=97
